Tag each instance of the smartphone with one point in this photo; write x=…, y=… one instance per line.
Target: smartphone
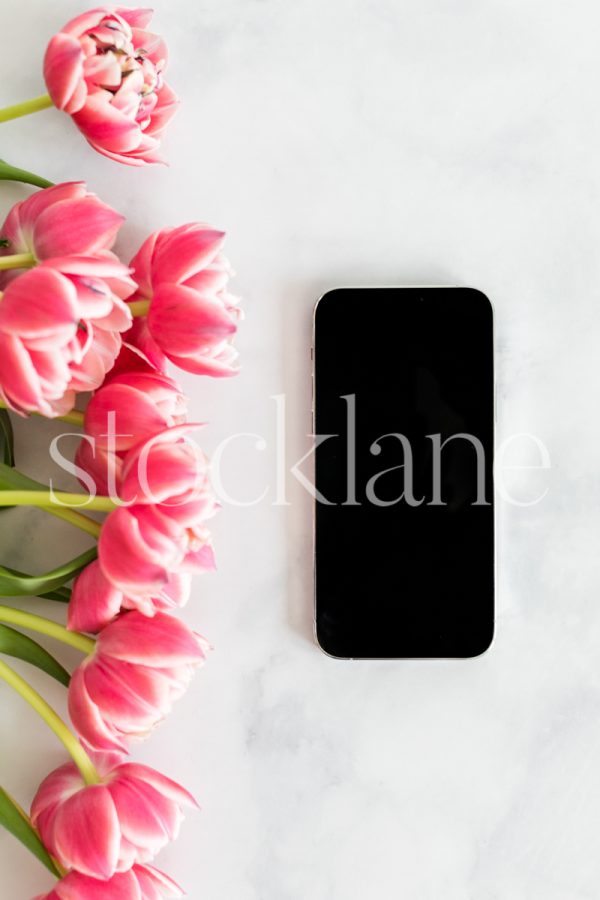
x=403, y=413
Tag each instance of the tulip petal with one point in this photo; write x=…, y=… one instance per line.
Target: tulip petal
x=54, y=788
x=135, y=416
x=147, y=819
x=40, y=303
x=127, y=558
x=206, y=365
x=86, y=832
x=148, y=874
x=20, y=385
x=160, y=641
x=185, y=323
x=105, y=126
x=87, y=719
x=76, y=227
x=132, y=697
x=63, y=68
x=183, y=251
x=160, y=782
x=94, y=601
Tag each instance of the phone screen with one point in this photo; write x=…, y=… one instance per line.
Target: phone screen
x=404, y=518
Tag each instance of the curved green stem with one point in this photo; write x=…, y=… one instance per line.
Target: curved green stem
x=72, y=418
x=25, y=108
x=12, y=173
x=51, y=499
x=32, y=622
x=17, y=261
x=53, y=720
x=139, y=307
x=84, y=523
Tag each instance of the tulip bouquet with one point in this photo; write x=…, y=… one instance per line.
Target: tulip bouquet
x=87, y=339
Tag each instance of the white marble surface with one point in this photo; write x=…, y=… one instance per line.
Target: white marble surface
x=380, y=142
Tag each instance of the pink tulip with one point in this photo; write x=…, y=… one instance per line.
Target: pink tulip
x=95, y=602
x=139, y=668
x=128, y=408
x=106, y=71
x=140, y=351
x=60, y=325
x=101, y=469
x=64, y=220
x=101, y=829
x=163, y=532
x=141, y=548
x=140, y=883
x=192, y=317
x=135, y=406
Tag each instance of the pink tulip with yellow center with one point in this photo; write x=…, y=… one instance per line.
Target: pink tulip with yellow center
x=192, y=318
x=107, y=72
x=101, y=829
x=95, y=602
x=138, y=669
x=139, y=883
x=60, y=326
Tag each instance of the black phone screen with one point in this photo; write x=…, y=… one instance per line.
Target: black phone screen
x=404, y=518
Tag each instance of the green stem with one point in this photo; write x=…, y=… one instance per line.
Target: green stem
x=12, y=173
x=84, y=523
x=17, y=261
x=139, y=307
x=53, y=720
x=72, y=418
x=45, y=626
x=49, y=499
x=25, y=108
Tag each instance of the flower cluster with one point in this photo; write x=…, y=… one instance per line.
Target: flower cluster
x=65, y=322
x=89, y=338
x=68, y=315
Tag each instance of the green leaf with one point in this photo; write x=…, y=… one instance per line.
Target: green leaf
x=61, y=595
x=11, y=480
x=7, y=442
x=14, y=820
x=13, y=643
x=19, y=584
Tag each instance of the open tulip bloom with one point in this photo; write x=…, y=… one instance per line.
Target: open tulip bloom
x=89, y=339
x=106, y=70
